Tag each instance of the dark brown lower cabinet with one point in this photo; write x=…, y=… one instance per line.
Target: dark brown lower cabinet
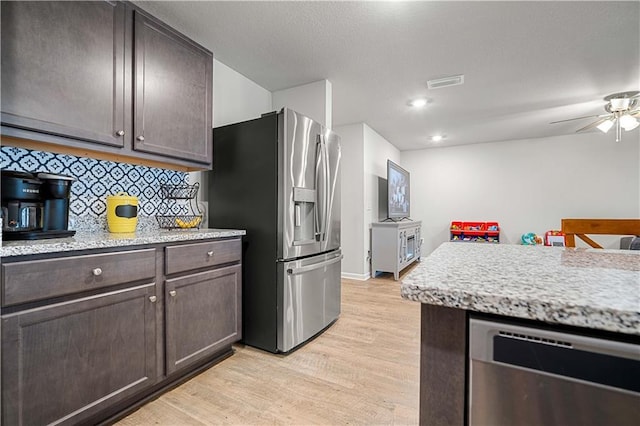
x=87, y=336
x=203, y=315
x=64, y=362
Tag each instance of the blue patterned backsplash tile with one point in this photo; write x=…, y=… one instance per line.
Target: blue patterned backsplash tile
x=96, y=179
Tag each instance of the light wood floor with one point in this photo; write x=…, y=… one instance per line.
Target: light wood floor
x=362, y=370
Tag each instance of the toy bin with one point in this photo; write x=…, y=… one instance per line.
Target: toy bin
x=492, y=228
x=473, y=228
x=479, y=232
x=456, y=227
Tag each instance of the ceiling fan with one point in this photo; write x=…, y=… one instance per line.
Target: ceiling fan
x=622, y=111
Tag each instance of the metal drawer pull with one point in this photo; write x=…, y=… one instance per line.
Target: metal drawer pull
x=97, y=272
x=210, y=253
x=120, y=133
x=141, y=138
x=172, y=293
x=153, y=299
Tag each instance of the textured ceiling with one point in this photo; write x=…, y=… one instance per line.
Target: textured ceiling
x=525, y=63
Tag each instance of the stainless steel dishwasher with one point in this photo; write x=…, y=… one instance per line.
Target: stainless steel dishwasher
x=529, y=376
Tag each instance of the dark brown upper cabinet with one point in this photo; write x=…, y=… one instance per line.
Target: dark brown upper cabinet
x=63, y=69
x=172, y=98
x=107, y=80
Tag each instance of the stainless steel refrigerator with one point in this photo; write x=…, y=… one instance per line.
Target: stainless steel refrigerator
x=278, y=177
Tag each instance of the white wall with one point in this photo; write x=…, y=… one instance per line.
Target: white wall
x=364, y=161
x=313, y=100
x=526, y=185
x=352, y=201
x=235, y=98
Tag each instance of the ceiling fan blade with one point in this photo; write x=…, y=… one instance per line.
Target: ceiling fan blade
x=592, y=125
x=577, y=118
x=635, y=113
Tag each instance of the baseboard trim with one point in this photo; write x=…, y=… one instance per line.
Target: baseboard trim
x=359, y=277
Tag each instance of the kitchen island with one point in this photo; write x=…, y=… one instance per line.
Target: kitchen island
x=572, y=289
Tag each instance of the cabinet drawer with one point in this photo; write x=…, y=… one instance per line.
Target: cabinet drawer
x=201, y=255
x=41, y=279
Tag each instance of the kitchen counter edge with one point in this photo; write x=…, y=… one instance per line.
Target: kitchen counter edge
x=100, y=240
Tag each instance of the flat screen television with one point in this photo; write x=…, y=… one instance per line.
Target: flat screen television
x=398, y=194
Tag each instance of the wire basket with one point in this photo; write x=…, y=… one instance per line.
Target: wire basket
x=179, y=221
x=179, y=192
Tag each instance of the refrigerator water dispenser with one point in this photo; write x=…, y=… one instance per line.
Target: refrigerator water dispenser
x=304, y=203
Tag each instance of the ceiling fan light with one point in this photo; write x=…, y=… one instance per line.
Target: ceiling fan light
x=619, y=104
x=628, y=122
x=605, y=126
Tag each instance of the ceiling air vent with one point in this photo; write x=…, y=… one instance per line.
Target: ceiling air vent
x=452, y=80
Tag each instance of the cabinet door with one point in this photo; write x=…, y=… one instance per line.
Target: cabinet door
x=63, y=69
x=63, y=363
x=203, y=315
x=173, y=93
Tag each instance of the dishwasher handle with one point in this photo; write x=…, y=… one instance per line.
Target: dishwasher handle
x=481, y=333
x=571, y=357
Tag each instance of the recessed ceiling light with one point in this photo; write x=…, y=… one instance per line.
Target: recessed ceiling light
x=438, y=138
x=419, y=102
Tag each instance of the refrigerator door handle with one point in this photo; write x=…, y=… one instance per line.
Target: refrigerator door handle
x=327, y=185
x=317, y=210
x=303, y=269
x=322, y=181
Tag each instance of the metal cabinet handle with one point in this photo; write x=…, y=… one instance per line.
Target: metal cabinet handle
x=140, y=138
x=172, y=293
x=210, y=253
x=120, y=133
x=97, y=272
x=153, y=299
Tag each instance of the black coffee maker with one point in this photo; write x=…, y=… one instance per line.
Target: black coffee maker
x=54, y=193
x=35, y=206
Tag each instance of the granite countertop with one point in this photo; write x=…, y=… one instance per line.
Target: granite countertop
x=598, y=289
x=98, y=240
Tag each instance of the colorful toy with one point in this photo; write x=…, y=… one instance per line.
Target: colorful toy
x=554, y=238
x=530, y=239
